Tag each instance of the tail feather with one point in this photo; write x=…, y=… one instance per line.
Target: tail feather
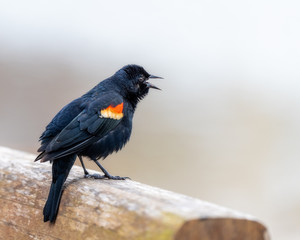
x=40, y=156
x=51, y=206
x=60, y=171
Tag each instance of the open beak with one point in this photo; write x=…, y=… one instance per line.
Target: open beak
x=150, y=85
x=152, y=76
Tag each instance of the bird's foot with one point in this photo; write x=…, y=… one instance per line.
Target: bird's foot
x=108, y=176
x=95, y=176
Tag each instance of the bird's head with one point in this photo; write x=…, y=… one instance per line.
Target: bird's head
x=134, y=81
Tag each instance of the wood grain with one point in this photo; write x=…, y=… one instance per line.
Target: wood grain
x=108, y=210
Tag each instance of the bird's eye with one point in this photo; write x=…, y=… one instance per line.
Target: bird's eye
x=141, y=78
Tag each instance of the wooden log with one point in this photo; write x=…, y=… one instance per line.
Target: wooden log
x=107, y=209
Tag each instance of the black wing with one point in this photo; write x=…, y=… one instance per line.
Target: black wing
x=60, y=121
x=95, y=121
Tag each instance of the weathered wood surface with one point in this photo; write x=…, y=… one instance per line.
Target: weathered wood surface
x=106, y=209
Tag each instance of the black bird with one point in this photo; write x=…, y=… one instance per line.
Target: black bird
x=94, y=125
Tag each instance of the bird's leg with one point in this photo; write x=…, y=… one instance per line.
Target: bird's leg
x=107, y=175
x=83, y=166
x=86, y=173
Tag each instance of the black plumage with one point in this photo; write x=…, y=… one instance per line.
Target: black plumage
x=94, y=125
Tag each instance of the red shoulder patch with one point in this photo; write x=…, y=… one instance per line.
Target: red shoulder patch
x=113, y=112
x=116, y=109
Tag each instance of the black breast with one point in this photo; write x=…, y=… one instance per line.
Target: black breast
x=112, y=142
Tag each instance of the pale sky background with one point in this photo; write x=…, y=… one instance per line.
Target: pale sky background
x=225, y=128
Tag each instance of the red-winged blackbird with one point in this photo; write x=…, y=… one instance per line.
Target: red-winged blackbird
x=94, y=125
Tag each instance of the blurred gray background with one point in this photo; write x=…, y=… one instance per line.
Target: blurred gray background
x=224, y=129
